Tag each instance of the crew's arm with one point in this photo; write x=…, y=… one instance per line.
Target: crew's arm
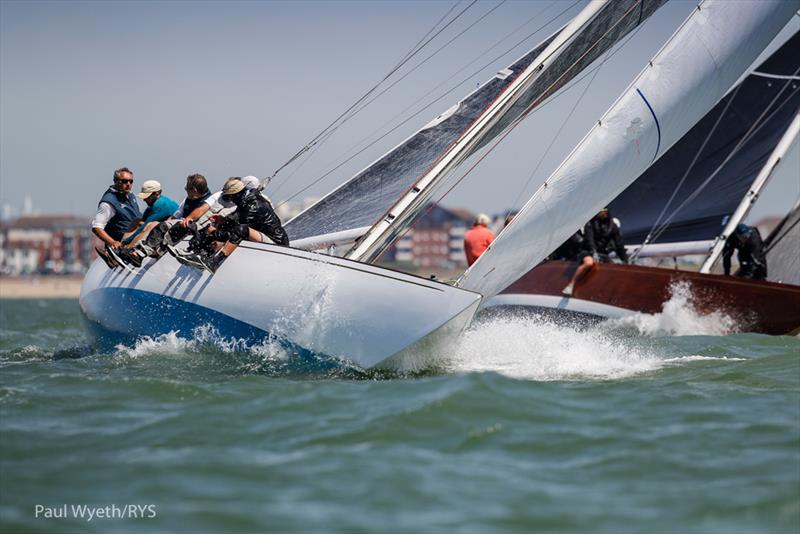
x=195, y=214
x=619, y=246
x=105, y=212
x=588, y=239
x=727, y=252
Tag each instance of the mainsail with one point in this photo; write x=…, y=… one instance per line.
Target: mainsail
x=367, y=197
x=705, y=56
x=707, y=172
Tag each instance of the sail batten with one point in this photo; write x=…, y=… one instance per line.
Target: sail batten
x=707, y=54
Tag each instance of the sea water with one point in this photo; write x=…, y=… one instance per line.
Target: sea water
x=661, y=423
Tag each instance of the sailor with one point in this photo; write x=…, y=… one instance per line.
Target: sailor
x=752, y=259
x=478, y=238
x=117, y=210
x=250, y=183
x=254, y=220
x=168, y=231
x=601, y=236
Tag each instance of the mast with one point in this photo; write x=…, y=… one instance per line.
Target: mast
x=380, y=235
x=750, y=198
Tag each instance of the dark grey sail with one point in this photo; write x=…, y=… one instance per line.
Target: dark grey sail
x=783, y=250
x=363, y=199
x=771, y=92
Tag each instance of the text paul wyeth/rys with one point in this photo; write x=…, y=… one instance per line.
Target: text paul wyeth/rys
x=89, y=513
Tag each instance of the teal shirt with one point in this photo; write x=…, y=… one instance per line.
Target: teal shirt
x=161, y=210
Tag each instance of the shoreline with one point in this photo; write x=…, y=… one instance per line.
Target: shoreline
x=40, y=287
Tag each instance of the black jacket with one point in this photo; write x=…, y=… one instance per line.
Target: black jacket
x=256, y=212
x=601, y=236
x=752, y=256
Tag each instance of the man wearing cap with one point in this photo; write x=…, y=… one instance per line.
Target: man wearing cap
x=752, y=260
x=159, y=208
x=478, y=238
x=253, y=220
x=117, y=210
x=601, y=236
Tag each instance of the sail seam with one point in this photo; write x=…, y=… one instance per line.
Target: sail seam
x=655, y=118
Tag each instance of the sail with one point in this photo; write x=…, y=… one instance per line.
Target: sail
x=783, y=244
x=761, y=107
x=706, y=55
x=362, y=200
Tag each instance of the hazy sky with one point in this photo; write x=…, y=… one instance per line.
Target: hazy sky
x=235, y=88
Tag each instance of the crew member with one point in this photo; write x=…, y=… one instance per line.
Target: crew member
x=601, y=236
x=254, y=220
x=478, y=238
x=117, y=211
x=752, y=259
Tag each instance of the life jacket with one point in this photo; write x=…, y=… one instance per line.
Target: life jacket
x=190, y=205
x=126, y=211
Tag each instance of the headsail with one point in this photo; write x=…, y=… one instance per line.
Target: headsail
x=746, y=125
x=783, y=261
x=365, y=198
x=706, y=55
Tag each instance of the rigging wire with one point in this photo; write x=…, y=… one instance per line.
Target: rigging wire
x=595, y=71
x=343, y=117
x=439, y=98
x=752, y=131
x=394, y=83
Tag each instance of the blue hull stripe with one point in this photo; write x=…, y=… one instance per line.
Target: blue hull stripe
x=131, y=313
x=658, y=126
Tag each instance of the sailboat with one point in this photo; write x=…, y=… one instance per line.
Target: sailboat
x=349, y=309
x=709, y=180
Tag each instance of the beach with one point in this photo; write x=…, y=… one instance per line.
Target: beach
x=40, y=287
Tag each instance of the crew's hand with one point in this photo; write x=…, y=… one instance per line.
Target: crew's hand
x=114, y=244
x=185, y=222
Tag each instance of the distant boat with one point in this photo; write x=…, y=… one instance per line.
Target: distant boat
x=348, y=309
x=689, y=201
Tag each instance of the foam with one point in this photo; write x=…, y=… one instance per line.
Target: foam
x=536, y=348
x=678, y=317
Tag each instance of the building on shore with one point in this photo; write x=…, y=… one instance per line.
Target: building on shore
x=46, y=244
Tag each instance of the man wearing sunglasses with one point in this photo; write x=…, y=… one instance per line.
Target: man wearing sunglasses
x=117, y=211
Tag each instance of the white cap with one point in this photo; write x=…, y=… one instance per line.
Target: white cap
x=483, y=219
x=251, y=182
x=148, y=188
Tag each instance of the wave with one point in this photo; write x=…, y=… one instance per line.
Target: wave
x=539, y=348
x=679, y=317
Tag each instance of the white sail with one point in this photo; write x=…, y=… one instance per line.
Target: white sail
x=705, y=56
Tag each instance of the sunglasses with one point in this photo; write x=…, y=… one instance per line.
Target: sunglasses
x=124, y=180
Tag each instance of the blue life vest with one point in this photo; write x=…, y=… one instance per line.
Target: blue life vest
x=190, y=205
x=126, y=211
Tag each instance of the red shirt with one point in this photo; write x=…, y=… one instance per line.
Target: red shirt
x=476, y=241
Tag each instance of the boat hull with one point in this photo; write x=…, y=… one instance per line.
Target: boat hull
x=310, y=303
x=616, y=290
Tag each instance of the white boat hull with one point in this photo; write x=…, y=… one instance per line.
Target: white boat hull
x=311, y=303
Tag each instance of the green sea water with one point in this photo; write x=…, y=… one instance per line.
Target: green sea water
x=659, y=424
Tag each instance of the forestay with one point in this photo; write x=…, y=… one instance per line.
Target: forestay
x=365, y=198
x=705, y=56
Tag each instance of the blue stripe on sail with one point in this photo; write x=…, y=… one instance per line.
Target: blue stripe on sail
x=658, y=126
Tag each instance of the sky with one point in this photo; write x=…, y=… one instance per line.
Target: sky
x=238, y=87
